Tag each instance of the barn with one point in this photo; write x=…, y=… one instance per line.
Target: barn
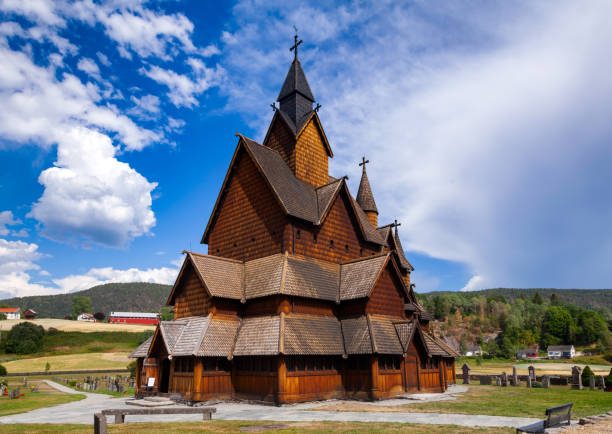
x=302, y=295
x=133, y=318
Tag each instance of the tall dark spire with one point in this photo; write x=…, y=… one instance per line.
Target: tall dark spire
x=295, y=98
x=365, y=197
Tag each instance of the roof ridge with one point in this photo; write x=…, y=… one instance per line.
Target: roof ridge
x=207, y=255
x=371, y=332
x=202, y=334
x=352, y=261
x=231, y=352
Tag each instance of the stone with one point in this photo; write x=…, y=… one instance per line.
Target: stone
x=545, y=381
x=515, y=380
x=576, y=377
x=485, y=380
x=601, y=382
x=529, y=381
x=466, y=373
x=592, y=382
x=504, y=379
x=532, y=374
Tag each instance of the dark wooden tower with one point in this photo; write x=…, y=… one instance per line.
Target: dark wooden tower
x=302, y=296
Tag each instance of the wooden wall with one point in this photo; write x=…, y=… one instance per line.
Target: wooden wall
x=181, y=382
x=282, y=140
x=311, y=159
x=191, y=298
x=308, y=386
x=216, y=385
x=390, y=383
x=249, y=221
x=387, y=297
x=338, y=239
x=260, y=386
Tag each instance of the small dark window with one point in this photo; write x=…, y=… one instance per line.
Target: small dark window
x=300, y=365
x=273, y=233
x=235, y=245
x=314, y=237
x=331, y=243
x=298, y=234
x=346, y=247
x=360, y=252
x=397, y=363
x=423, y=363
x=252, y=240
x=217, y=250
x=319, y=364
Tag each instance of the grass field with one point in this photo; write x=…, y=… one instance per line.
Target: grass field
x=76, y=362
x=77, y=326
x=502, y=401
x=32, y=401
x=228, y=426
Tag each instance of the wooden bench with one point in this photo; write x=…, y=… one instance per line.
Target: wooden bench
x=555, y=417
x=100, y=418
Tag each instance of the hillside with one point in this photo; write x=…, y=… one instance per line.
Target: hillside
x=583, y=298
x=138, y=297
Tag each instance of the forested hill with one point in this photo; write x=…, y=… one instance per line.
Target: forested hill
x=585, y=298
x=135, y=297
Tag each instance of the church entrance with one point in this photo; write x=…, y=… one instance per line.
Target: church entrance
x=164, y=376
x=412, y=380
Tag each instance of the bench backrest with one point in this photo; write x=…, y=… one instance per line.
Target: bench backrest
x=558, y=415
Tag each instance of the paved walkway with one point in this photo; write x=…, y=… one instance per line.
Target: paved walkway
x=82, y=412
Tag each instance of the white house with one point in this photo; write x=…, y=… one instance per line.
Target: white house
x=86, y=317
x=561, y=352
x=11, y=312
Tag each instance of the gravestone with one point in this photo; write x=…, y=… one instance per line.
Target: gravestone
x=504, y=379
x=532, y=374
x=576, y=377
x=592, y=382
x=485, y=380
x=545, y=381
x=601, y=382
x=515, y=380
x=497, y=381
x=529, y=381
x=466, y=373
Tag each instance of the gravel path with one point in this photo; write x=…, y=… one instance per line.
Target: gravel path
x=82, y=412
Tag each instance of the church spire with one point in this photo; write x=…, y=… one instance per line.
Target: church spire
x=365, y=198
x=295, y=98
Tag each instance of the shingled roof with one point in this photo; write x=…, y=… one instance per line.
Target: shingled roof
x=142, y=350
x=283, y=273
x=310, y=334
x=295, y=81
x=365, y=197
x=371, y=334
x=296, y=198
x=393, y=241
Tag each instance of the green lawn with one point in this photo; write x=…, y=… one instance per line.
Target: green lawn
x=32, y=401
x=520, y=401
x=234, y=427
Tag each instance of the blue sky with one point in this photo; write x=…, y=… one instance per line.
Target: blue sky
x=487, y=125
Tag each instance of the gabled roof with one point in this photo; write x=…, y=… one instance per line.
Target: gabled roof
x=288, y=274
x=296, y=198
x=258, y=336
x=312, y=334
x=393, y=241
x=559, y=348
x=9, y=309
x=371, y=334
x=297, y=130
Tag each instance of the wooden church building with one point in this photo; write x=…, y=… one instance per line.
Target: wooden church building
x=303, y=295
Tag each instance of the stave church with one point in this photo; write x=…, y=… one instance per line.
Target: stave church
x=303, y=294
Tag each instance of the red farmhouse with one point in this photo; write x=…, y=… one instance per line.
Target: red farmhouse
x=133, y=318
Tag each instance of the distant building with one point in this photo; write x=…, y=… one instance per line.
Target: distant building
x=529, y=353
x=86, y=317
x=134, y=318
x=30, y=314
x=473, y=350
x=11, y=312
x=561, y=352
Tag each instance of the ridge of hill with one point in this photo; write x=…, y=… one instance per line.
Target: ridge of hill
x=130, y=297
x=584, y=298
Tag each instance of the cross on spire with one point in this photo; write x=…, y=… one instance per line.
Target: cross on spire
x=395, y=224
x=364, y=162
x=296, y=43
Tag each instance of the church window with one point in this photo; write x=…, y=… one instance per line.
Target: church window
x=314, y=237
x=331, y=244
x=298, y=234
x=252, y=240
x=235, y=245
x=360, y=252
x=346, y=247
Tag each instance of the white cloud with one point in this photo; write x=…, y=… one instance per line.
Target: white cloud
x=103, y=58
x=42, y=11
x=16, y=259
x=145, y=107
x=493, y=120
x=6, y=219
x=183, y=89
x=90, y=195
x=99, y=276
x=90, y=67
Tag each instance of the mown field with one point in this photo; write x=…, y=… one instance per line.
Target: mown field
x=77, y=326
x=69, y=362
x=500, y=401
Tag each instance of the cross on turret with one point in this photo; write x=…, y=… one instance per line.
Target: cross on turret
x=364, y=161
x=296, y=43
x=395, y=224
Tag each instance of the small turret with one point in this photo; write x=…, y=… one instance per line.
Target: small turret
x=365, y=198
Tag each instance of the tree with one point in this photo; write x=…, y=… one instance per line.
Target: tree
x=99, y=316
x=2, y=371
x=559, y=324
x=24, y=338
x=554, y=300
x=537, y=298
x=132, y=366
x=80, y=304
x=591, y=328
x=47, y=367
x=586, y=374
x=167, y=314
x=2, y=317
x=144, y=336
